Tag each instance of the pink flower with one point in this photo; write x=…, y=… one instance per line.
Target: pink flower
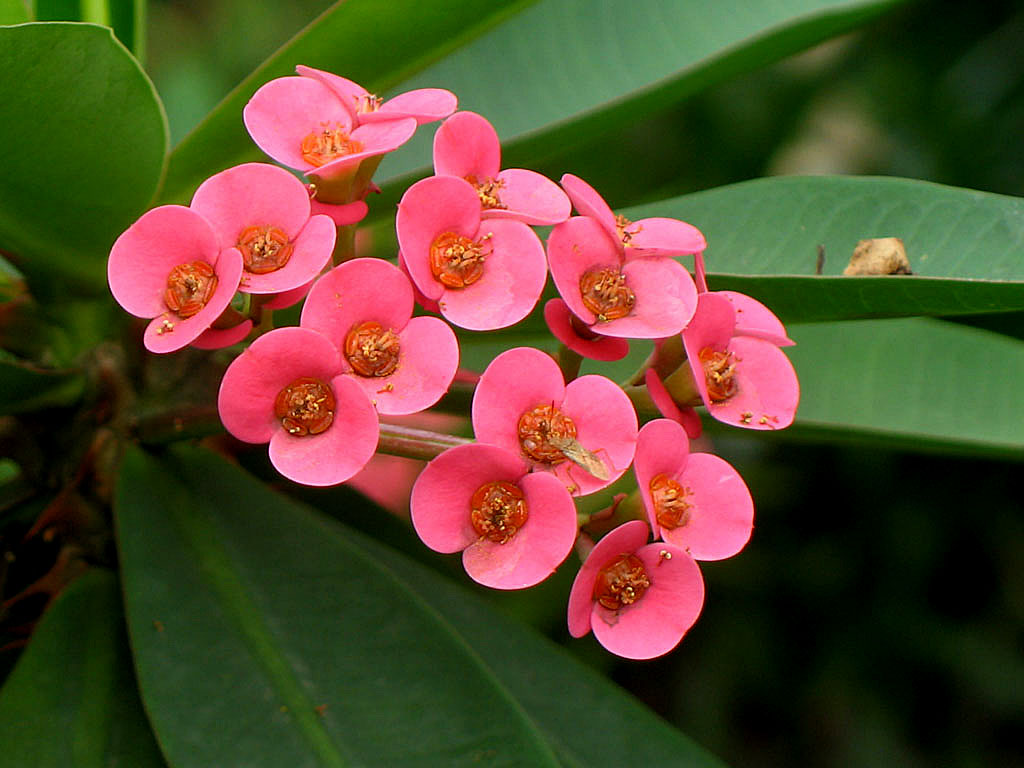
x=287, y=388
x=404, y=364
x=169, y=266
x=639, y=298
x=484, y=274
x=638, y=598
x=579, y=432
x=696, y=501
x=513, y=528
x=755, y=319
x=305, y=125
x=742, y=380
x=644, y=237
x=467, y=146
x=685, y=416
x=264, y=212
x=572, y=332
x=424, y=105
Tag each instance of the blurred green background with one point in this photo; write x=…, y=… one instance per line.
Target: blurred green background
x=876, y=616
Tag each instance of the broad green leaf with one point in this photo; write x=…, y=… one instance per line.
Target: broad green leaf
x=71, y=700
x=82, y=147
x=264, y=636
x=27, y=387
x=964, y=246
x=126, y=17
x=565, y=71
x=14, y=12
x=917, y=383
x=377, y=43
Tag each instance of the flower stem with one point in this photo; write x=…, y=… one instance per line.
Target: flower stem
x=415, y=443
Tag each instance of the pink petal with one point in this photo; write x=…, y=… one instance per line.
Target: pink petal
x=560, y=322
x=289, y=298
x=343, y=215
x=655, y=624
x=537, y=549
x=348, y=93
x=377, y=139
x=516, y=381
x=311, y=252
x=711, y=327
x=768, y=390
x=755, y=319
x=430, y=305
x=466, y=144
x=662, y=448
x=627, y=538
x=721, y=510
x=144, y=255
x=429, y=208
x=440, y=502
x=588, y=202
x=574, y=247
x=663, y=401
x=272, y=362
x=665, y=300
x=253, y=194
x=426, y=105
x=335, y=455
x=605, y=425
x=530, y=198
x=358, y=291
x=429, y=358
x=663, y=237
x=214, y=338
x=387, y=481
x=286, y=110
x=514, y=275
x=169, y=333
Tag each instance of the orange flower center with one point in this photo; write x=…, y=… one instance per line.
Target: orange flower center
x=189, y=287
x=497, y=511
x=670, y=507
x=456, y=261
x=542, y=430
x=719, y=373
x=305, y=407
x=371, y=350
x=621, y=582
x=264, y=249
x=487, y=189
x=606, y=293
x=320, y=147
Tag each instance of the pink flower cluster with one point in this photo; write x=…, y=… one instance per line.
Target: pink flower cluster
x=254, y=239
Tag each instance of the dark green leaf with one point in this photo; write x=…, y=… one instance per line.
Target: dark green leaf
x=82, y=147
x=71, y=700
x=264, y=636
x=26, y=387
x=565, y=71
x=377, y=43
x=964, y=246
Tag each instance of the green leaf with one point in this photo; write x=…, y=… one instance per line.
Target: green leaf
x=13, y=12
x=71, y=699
x=565, y=71
x=82, y=147
x=27, y=387
x=964, y=246
x=377, y=43
x=918, y=383
x=281, y=642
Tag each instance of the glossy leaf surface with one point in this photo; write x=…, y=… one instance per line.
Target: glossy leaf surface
x=82, y=147
x=71, y=700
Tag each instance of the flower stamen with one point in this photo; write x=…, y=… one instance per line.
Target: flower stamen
x=372, y=350
x=621, y=582
x=540, y=429
x=264, y=249
x=457, y=261
x=305, y=407
x=719, y=373
x=497, y=511
x=605, y=293
x=321, y=147
x=487, y=189
x=670, y=506
x=189, y=287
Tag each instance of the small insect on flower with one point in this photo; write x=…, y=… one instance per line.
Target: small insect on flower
x=580, y=456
